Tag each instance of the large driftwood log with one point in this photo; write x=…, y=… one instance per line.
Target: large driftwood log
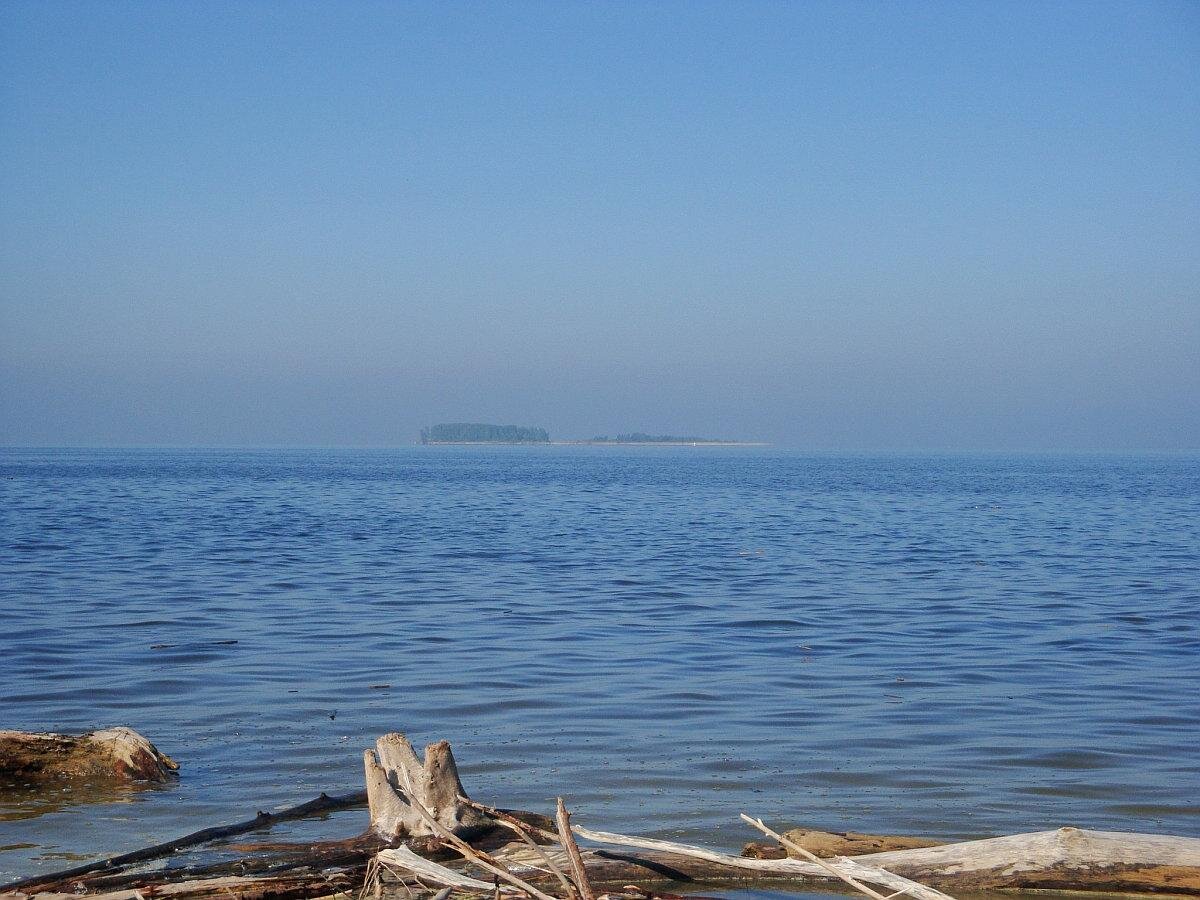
x=845, y=869
x=393, y=766
x=1068, y=858
x=1065, y=859
x=114, y=753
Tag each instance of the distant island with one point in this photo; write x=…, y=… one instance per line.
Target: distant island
x=480, y=433
x=639, y=437
x=477, y=433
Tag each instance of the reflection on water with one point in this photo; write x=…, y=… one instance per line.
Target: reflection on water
x=947, y=646
x=29, y=800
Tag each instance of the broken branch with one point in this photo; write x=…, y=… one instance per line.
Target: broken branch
x=563, y=818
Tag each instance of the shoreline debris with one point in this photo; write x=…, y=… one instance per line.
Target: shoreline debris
x=427, y=840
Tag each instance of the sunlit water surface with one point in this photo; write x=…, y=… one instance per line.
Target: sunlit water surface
x=949, y=646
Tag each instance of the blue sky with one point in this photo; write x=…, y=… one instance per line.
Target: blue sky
x=832, y=226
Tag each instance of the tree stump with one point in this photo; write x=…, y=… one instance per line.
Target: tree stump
x=393, y=767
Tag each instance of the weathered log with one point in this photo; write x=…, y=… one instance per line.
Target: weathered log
x=848, y=870
x=113, y=753
x=435, y=785
x=852, y=872
x=1066, y=859
x=835, y=843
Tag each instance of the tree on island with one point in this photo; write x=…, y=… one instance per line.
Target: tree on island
x=478, y=433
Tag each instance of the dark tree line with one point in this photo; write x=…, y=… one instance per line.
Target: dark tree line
x=464, y=432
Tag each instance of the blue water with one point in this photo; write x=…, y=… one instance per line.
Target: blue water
x=939, y=645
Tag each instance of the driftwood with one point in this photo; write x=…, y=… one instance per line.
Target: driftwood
x=1065, y=859
x=401, y=858
x=851, y=871
x=529, y=828
x=423, y=802
x=848, y=871
x=834, y=843
x=279, y=887
x=477, y=857
x=395, y=775
x=115, y=864
x=349, y=856
x=115, y=753
x=578, y=871
x=1083, y=861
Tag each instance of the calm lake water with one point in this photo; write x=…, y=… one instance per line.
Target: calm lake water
x=939, y=645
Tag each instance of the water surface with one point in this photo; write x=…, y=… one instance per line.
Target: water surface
x=950, y=646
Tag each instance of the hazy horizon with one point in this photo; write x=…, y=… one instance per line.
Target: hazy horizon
x=825, y=226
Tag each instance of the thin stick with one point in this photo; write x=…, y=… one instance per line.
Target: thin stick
x=563, y=818
x=402, y=857
x=525, y=833
x=812, y=857
x=478, y=857
x=541, y=854
x=506, y=817
x=112, y=864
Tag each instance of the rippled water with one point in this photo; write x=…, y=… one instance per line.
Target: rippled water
x=948, y=646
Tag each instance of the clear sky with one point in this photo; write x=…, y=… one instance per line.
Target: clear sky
x=833, y=226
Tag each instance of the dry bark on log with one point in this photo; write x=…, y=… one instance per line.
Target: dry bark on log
x=835, y=843
x=435, y=785
x=113, y=753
